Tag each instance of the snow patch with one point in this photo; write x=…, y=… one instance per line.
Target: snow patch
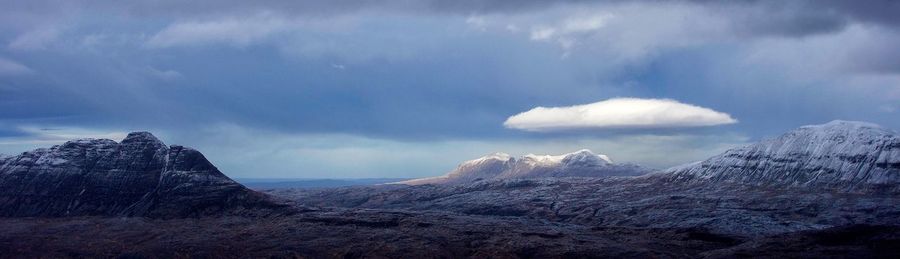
x=583, y=163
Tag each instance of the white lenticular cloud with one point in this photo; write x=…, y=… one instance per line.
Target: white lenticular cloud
x=618, y=113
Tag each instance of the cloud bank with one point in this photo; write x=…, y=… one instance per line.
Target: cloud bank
x=618, y=113
x=403, y=74
x=237, y=32
x=11, y=68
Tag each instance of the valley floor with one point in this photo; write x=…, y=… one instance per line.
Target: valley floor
x=342, y=233
x=534, y=218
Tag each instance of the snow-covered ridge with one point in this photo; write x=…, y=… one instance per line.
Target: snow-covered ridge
x=492, y=157
x=582, y=163
x=847, y=125
x=842, y=154
x=580, y=155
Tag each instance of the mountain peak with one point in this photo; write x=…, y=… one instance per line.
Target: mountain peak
x=139, y=176
x=585, y=155
x=837, y=131
x=853, y=123
x=498, y=156
x=141, y=136
x=581, y=163
x=582, y=155
x=846, y=128
x=581, y=152
x=842, y=124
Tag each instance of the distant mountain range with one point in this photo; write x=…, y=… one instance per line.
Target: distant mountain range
x=582, y=163
x=840, y=154
x=141, y=176
x=815, y=177
x=814, y=192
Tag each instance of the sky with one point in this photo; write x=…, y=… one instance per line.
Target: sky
x=397, y=88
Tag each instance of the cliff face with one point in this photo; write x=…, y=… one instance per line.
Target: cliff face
x=140, y=176
x=841, y=154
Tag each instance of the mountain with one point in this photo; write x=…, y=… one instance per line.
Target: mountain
x=582, y=163
x=846, y=155
x=139, y=176
x=812, y=178
x=515, y=211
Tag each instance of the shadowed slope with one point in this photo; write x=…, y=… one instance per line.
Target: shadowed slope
x=139, y=176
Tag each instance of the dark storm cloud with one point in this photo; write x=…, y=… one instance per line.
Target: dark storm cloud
x=431, y=96
x=785, y=19
x=465, y=88
x=316, y=80
x=764, y=17
x=879, y=57
x=875, y=11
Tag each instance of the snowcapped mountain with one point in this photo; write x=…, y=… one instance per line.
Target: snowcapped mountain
x=139, y=176
x=815, y=177
x=840, y=154
x=582, y=163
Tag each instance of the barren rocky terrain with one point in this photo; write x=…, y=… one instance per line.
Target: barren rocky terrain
x=336, y=233
x=728, y=209
x=820, y=191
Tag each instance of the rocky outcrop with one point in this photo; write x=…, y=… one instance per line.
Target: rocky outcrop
x=582, y=163
x=843, y=155
x=139, y=176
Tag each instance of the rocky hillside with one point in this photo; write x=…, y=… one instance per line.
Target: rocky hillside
x=582, y=163
x=812, y=178
x=844, y=155
x=139, y=176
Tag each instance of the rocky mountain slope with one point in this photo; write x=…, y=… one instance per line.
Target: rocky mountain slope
x=501, y=207
x=845, y=155
x=815, y=177
x=139, y=176
x=582, y=163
